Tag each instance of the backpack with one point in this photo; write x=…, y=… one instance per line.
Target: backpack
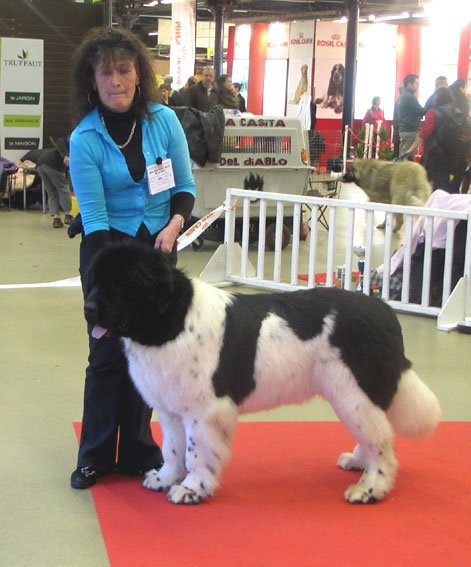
x=452, y=131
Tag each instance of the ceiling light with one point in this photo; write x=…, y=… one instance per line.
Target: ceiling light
x=402, y=16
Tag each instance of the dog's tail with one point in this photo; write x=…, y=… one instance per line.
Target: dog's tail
x=415, y=410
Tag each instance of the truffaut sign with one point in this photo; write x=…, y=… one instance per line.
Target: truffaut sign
x=21, y=96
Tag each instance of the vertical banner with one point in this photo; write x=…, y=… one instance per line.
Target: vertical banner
x=21, y=96
x=439, y=56
x=182, y=48
x=240, y=65
x=301, y=53
x=331, y=40
x=376, y=68
x=276, y=65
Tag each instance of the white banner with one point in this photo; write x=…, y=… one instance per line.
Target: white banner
x=331, y=40
x=242, y=41
x=182, y=48
x=301, y=40
x=278, y=40
x=200, y=226
x=301, y=52
x=21, y=96
x=377, y=42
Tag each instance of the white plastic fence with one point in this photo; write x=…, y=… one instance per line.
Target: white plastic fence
x=358, y=218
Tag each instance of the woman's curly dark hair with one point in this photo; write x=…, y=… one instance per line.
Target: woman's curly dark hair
x=109, y=45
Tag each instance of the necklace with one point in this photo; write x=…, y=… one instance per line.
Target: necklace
x=126, y=143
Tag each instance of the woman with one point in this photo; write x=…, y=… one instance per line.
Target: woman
x=440, y=160
x=374, y=114
x=121, y=134
x=226, y=96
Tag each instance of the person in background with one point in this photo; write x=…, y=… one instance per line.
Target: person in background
x=164, y=92
x=186, y=87
x=120, y=135
x=410, y=115
x=461, y=101
x=52, y=166
x=440, y=81
x=226, y=96
x=375, y=117
x=174, y=98
x=458, y=90
x=396, y=140
x=202, y=95
x=242, y=106
x=374, y=114
x=439, y=161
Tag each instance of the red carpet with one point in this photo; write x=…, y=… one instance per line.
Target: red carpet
x=281, y=504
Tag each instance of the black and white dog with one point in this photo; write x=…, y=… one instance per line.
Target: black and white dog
x=200, y=356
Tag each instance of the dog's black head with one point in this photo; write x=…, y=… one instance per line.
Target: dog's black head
x=134, y=291
x=349, y=175
x=338, y=72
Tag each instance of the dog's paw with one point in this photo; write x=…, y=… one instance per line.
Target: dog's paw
x=350, y=462
x=370, y=488
x=179, y=494
x=357, y=494
x=153, y=481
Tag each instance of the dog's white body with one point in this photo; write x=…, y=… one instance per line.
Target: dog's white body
x=198, y=426
x=398, y=183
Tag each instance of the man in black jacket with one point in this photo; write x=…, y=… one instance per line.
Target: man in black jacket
x=202, y=96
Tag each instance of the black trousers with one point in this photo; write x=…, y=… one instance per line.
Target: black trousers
x=116, y=421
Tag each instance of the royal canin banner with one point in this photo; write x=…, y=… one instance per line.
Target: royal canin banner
x=331, y=40
x=182, y=48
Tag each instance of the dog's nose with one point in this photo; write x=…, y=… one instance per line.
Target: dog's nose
x=348, y=177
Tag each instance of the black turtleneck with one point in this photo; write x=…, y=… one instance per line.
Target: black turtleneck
x=119, y=126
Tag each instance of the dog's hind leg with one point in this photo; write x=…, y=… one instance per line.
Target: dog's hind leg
x=173, y=450
x=374, y=453
x=369, y=425
x=208, y=447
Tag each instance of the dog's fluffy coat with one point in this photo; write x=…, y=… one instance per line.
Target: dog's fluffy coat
x=200, y=356
x=398, y=183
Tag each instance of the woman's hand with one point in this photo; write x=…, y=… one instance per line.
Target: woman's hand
x=167, y=236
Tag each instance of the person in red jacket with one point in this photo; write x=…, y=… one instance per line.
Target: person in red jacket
x=440, y=157
x=374, y=114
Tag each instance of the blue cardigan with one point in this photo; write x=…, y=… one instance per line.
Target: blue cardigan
x=106, y=193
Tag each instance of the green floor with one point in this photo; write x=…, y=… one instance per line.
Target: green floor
x=43, y=522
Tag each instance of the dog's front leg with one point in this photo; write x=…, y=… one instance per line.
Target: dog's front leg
x=173, y=450
x=208, y=447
